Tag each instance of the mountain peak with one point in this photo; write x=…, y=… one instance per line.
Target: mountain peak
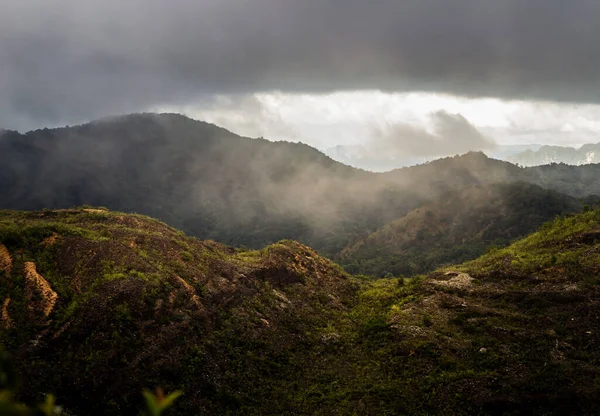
x=586, y=154
x=474, y=155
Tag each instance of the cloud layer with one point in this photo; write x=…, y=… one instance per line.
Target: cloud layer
x=451, y=134
x=72, y=60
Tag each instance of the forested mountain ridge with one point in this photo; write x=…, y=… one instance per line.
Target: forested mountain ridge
x=98, y=305
x=241, y=191
x=196, y=176
x=458, y=226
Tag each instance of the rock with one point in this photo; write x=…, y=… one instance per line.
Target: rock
x=459, y=280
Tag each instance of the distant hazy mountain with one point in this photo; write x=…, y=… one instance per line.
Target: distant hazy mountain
x=359, y=156
x=506, y=151
x=588, y=153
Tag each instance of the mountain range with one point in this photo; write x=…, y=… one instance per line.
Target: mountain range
x=361, y=157
x=588, y=153
x=523, y=155
x=214, y=184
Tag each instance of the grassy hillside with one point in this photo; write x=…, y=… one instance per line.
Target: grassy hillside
x=98, y=305
x=513, y=332
x=458, y=226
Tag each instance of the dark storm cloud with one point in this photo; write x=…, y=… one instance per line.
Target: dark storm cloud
x=71, y=60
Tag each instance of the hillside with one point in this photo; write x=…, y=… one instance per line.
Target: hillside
x=216, y=185
x=194, y=175
x=458, y=226
x=98, y=305
x=513, y=332
x=90, y=295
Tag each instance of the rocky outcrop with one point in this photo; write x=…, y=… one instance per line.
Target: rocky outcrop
x=459, y=280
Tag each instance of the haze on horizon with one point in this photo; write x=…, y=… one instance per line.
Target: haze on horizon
x=415, y=78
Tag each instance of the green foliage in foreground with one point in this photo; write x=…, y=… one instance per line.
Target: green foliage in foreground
x=156, y=404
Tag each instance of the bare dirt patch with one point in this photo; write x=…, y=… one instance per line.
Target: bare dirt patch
x=188, y=289
x=5, y=317
x=5, y=259
x=50, y=241
x=34, y=282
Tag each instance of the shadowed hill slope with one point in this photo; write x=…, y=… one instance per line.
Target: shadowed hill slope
x=458, y=226
x=97, y=305
x=214, y=184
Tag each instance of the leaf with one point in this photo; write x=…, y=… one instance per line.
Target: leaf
x=168, y=401
x=156, y=403
x=152, y=406
x=49, y=407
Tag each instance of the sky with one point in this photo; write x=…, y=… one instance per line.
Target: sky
x=412, y=75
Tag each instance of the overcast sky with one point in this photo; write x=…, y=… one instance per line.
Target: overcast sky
x=322, y=71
